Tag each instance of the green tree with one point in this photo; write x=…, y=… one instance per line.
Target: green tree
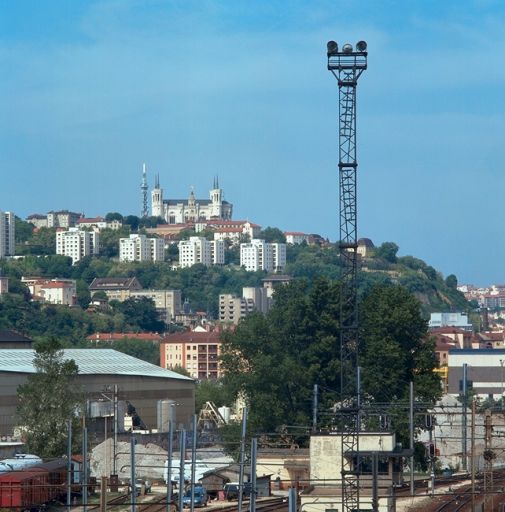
x=451, y=281
x=48, y=399
x=113, y=216
x=387, y=251
x=140, y=313
x=299, y=338
x=145, y=350
x=272, y=235
x=23, y=230
x=215, y=391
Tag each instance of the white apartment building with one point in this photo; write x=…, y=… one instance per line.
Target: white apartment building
x=200, y=250
x=77, y=244
x=7, y=242
x=141, y=248
x=260, y=255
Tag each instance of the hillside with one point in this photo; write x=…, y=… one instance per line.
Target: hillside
x=201, y=286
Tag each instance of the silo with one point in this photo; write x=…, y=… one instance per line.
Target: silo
x=165, y=412
x=225, y=412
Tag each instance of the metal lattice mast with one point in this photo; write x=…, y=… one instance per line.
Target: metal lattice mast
x=143, y=188
x=347, y=66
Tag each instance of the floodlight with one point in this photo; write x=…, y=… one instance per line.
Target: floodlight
x=361, y=46
x=347, y=48
x=332, y=47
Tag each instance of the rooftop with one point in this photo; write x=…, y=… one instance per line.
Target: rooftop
x=90, y=362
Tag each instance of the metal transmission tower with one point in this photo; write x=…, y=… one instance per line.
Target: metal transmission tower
x=143, y=188
x=347, y=65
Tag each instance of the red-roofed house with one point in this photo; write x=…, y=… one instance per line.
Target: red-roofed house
x=196, y=351
x=53, y=291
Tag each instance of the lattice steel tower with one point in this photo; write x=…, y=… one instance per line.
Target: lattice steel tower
x=143, y=189
x=347, y=65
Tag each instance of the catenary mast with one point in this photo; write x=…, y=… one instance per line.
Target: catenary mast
x=347, y=65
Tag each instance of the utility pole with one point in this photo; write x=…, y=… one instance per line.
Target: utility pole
x=347, y=65
x=472, y=455
x=69, y=464
x=169, y=462
x=488, y=459
x=464, y=424
x=242, y=459
x=411, y=432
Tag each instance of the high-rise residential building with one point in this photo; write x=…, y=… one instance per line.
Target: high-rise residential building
x=200, y=250
x=260, y=255
x=141, y=248
x=7, y=231
x=232, y=308
x=77, y=244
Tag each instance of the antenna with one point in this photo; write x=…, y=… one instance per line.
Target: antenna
x=143, y=189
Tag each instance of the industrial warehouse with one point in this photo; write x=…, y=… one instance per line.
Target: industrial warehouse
x=145, y=388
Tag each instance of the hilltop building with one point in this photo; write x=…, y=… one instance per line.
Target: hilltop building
x=141, y=248
x=77, y=244
x=7, y=231
x=55, y=219
x=181, y=211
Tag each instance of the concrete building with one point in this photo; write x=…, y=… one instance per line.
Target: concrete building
x=4, y=284
x=168, y=303
x=458, y=320
x=486, y=372
x=7, y=234
x=296, y=238
x=196, y=351
x=62, y=219
x=233, y=230
x=200, y=250
x=140, y=383
x=232, y=308
x=180, y=211
x=141, y=248
x=13, y=339
x=77, y=244
x=325, y=492
x=260, y=255
x=52, y=291
x=116, y=288
x=98, y=223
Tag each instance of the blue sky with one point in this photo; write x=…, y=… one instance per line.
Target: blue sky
x=91, y=90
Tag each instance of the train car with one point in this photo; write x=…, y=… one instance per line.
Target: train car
x=33, y=487
x=19, y=462
x=56, y=477
x=24, y=490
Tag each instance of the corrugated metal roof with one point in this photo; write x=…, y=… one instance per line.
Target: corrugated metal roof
x=91, y=361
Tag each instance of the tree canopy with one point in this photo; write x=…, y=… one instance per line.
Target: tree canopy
x=276, y=359
x=48, y=399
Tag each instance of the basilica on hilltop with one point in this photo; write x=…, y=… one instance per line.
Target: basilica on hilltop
x=181, y=211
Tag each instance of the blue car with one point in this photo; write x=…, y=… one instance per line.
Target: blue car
x=200, y=499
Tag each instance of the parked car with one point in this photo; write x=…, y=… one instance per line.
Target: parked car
x=200, y=497
x=139, y=483
x=231, y=490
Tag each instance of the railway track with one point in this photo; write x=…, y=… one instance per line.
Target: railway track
x=160, y=505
